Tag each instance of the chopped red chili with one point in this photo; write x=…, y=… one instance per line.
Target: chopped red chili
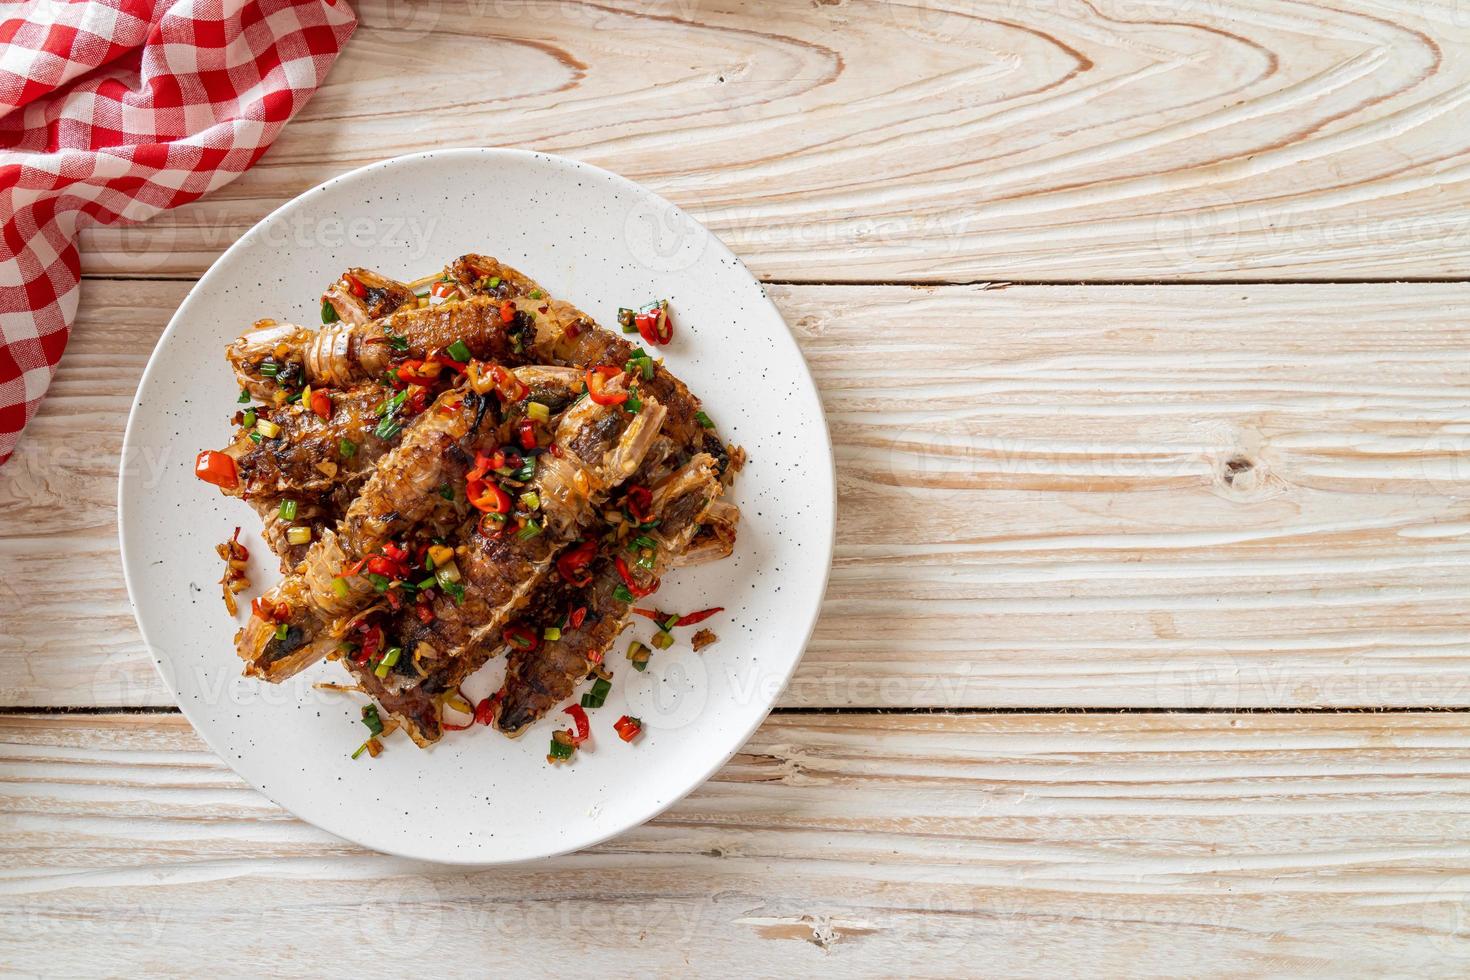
x=699, y=617
x=639, y=500
x=217, y=468
x=527, y=432
x=521, y=636
x=511, y=388
x=487, y=496
x=597, y=380
x=372, y=638
x=507, y=312
x=579, y=716
x=277, y=612
x=355, y=284
x=458, y=367
x=654, y=325
x=418, y=400
x=321, y=404
x=572, y=565
x=484, y=463
x=638, y=591
x=628, y=727
x=412, y=371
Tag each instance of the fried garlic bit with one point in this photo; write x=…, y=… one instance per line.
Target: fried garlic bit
x=235, y=556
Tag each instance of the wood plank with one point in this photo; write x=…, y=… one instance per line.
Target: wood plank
x=1167, y=496
x=1119, y=845
x=936, y=140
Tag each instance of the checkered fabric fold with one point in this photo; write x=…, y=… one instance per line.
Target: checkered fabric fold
x=113, y=110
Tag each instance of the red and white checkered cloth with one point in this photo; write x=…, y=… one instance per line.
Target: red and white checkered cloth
x=113, y=110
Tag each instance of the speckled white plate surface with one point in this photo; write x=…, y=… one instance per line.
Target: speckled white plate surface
x=598, y=241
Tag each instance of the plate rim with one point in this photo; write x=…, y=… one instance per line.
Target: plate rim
x=828, y=539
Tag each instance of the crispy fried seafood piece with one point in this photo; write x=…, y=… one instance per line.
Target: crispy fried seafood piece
x=312, y=455
x=362, y=295
x=307, y=610
x=537, y=679
x=599, y=446
x=344, y=353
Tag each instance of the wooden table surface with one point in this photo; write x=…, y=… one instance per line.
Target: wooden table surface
x=1140, y=330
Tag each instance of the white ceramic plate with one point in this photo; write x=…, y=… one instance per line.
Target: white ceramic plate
x=598, y=241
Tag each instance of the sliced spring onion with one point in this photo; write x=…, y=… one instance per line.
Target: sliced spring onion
x=248, y=421
x=447, y=572
x=269, y=368
x=282, y=631
x=634, y=404
x=531, y=500
x=560, y=750
x=551, y=633
x=371, y=720
x=267, y=428
x=597, y=696
x=347, y=448
x=380, y=582
x=389, y=660
x=663, y=640
x=622, y=594
x=459, y=351
x=427, y=583
x=537, y=294
x=339, y=586
x=388, y=428
x=298, y=534
x=329, y=314
x=529, y=531
x=256, y=438
x=494, y=282
x=527, y=470
x=455, y=590
x=638, y=654
x=361, y=749
x=670, y=623
x=703, y=419
x=396, y=342
x=442, y=554
x=537, y=412
x=288, y=510
x=446, y=491
x=389, y=406
x=244, y=398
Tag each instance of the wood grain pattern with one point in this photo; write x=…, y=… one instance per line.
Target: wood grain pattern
x=919, y=846
x=1169, y=496
x=929, y=139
